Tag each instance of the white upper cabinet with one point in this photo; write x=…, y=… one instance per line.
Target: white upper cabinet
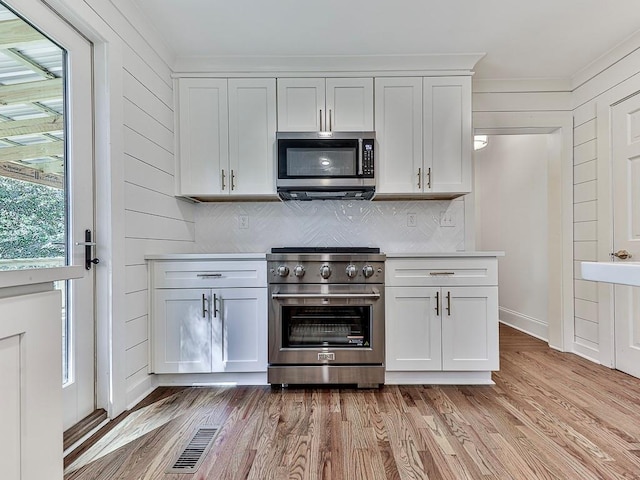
x=423, y=128
x=318, y=104
x=203, y=144
x=226, y=136
x=447, y=134
x=252, y=135
x=399, y=134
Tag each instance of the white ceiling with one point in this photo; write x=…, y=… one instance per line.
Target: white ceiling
x=521, y=38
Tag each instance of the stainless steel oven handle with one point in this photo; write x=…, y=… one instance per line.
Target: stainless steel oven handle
x=276, y=296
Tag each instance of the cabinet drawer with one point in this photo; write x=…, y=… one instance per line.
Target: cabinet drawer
x=441, y=271
x=209, y=274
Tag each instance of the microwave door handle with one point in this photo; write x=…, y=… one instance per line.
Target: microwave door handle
x=359, y=156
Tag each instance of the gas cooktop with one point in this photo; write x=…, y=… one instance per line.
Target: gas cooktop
x=369, y=250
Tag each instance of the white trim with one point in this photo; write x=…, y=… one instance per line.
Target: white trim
x=438, y=378
x=521, y=85
x=136, y=394
x=208, y=379
x=606, y=61
x=587, y=353
x=529, y=325
x=561, y=265
x=462, y=63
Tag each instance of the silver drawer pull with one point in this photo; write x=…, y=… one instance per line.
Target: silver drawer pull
x=441, y=273
x=209, y=275
x=327, y=295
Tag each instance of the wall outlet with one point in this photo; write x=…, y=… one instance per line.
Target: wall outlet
x=447, y=219
x=243, y=221
x=412, y=220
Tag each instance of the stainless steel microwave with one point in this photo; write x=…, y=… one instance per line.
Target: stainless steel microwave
x=326, y=165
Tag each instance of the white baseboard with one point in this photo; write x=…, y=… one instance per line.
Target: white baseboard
x=210, y=379
x=586, y=352
x=438, y=378
x=524, y=323
x=140, y=391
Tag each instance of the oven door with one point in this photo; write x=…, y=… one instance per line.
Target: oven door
x=326, y=324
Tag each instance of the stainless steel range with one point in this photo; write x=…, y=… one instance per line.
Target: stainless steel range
x=326, y=316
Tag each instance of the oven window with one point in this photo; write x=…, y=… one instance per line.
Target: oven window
x=326, y=326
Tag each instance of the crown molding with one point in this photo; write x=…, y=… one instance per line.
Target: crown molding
x=461, y=63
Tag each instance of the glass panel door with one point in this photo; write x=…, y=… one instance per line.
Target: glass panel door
x=46, y=173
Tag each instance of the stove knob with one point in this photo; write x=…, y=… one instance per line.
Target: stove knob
x=367, y=271
x=298, y=271
x=283, y=270
x=325, y=271
x=351, y=270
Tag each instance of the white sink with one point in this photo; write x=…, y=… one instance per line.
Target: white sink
x=627, y=273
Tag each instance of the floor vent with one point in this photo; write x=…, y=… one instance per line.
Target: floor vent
x=189, y=460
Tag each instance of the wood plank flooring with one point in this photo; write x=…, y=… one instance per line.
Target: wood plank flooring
x=549, y=416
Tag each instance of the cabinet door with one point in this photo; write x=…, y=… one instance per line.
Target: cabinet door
x=252, y=135
x=412, y=329
x=398, y=119
x=447, y=134
x=301, y=104
x=181, y=331
x=349, y=105
x=240, y=329
x=203, y=148
x=470, y=328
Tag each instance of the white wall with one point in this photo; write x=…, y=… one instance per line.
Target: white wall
x=511, y=200
x=599, y=86
x=137, y=212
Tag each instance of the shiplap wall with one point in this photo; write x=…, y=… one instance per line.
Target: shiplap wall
x=154, y=220
x=592, y=235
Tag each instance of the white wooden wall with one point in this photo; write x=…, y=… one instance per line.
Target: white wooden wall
x=596, y=87
x=153, y=221
x=609, y=79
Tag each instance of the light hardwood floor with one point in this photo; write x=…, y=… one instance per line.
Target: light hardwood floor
x=549, y=416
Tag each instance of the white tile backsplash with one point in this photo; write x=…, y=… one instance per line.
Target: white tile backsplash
x=381, y=224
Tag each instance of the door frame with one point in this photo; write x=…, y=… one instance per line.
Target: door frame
x=561, y=263
x=605, y=103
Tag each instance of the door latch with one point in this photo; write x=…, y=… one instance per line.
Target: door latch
x=88, y=244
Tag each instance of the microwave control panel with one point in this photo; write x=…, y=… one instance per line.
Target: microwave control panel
x=367, y=157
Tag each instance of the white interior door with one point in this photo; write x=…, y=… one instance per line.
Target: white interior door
x=57, y=56
x=626, y=231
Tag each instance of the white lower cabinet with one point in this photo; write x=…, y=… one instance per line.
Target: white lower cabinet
x=436, y=323
x=209, y=330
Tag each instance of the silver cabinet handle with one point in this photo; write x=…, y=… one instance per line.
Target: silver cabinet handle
x=204, y=305
x=215, y=306
x=438, y=303
x=419, y=177
x=233, y=180
x=222, y=177
x=429, y=177
x=209, y=275
x=436, y=274
x=449, y=303
x=276, y=296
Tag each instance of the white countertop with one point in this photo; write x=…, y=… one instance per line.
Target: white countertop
x=207, y=256
x=262, y=256
x=444, y=254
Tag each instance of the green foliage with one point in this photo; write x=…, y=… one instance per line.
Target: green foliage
x=32, y=220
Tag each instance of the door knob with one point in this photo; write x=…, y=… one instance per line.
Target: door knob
x=621, y=254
